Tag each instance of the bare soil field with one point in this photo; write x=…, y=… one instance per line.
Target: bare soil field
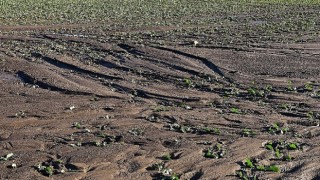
x=209, y=101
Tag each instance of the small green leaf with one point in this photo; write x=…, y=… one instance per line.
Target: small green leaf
x=269, y=146
x=277, y=153
x=261, y=168
x=273, y=168
x=287, y=158
x=166, y=157
x=249, y=163
x=48, y=170
x=293, y=146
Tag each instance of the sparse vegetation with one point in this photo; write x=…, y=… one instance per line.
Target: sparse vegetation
x=215, y=152
x=165, y=74
x=248, y=133
x=277, y=128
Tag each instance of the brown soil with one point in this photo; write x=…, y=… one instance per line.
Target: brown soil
x=114, y=116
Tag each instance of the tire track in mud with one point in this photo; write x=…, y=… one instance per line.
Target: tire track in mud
x=208, y=63
x=67, y=66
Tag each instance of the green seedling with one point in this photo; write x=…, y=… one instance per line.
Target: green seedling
x=277, y=153
x=59, y=161
x=233, y=92
x=252, y=91
x=208, y=130
x=254, y=167
x=216, y=131
x=261, y=168
x=243, y=175
x=255, y=92
x=248, y=133
x=136, y=132
x=214, y=152
x=292, y=146
x=249, y=164
x=48, y=170
x=308, y=86
x=290, y=86
x=161, y=108
x=235, y=110
x=210, y=154
x=310, y=115
x=268, y=88
x=269, y=147
x=188, y=82
x=273, y=168
x=281, y=145
x=181, y=128
x=167, y=157
x=287, y=158
x=286, y=107
x=277, y=128
x=278, y=147
x=185, y=129
x=76, y=125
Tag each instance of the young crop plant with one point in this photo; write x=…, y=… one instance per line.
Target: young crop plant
x=215, y=152
x=167, y=157
x=189, y=83
x=310, y=115
x=277, y=128
x=256, y=93
x=308, y=86
x=50, y=168
x=209, y=130
x=235, y=110
x=290, y=86
x=286, y=107
x=248, y=133
x=231, y=92
x=281, y=148
x=161, y=108
x=251, y=166
x=76, y=125
x=268, y=88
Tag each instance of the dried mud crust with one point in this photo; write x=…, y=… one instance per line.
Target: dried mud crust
x=83, y=107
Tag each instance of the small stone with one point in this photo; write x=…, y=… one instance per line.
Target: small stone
x=14, y=165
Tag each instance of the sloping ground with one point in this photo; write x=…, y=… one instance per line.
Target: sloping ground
x=114, y=109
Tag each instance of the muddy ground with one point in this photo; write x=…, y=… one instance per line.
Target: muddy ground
x=89, y=102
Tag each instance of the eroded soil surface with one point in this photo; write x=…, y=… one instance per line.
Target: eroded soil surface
x=84, y=102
